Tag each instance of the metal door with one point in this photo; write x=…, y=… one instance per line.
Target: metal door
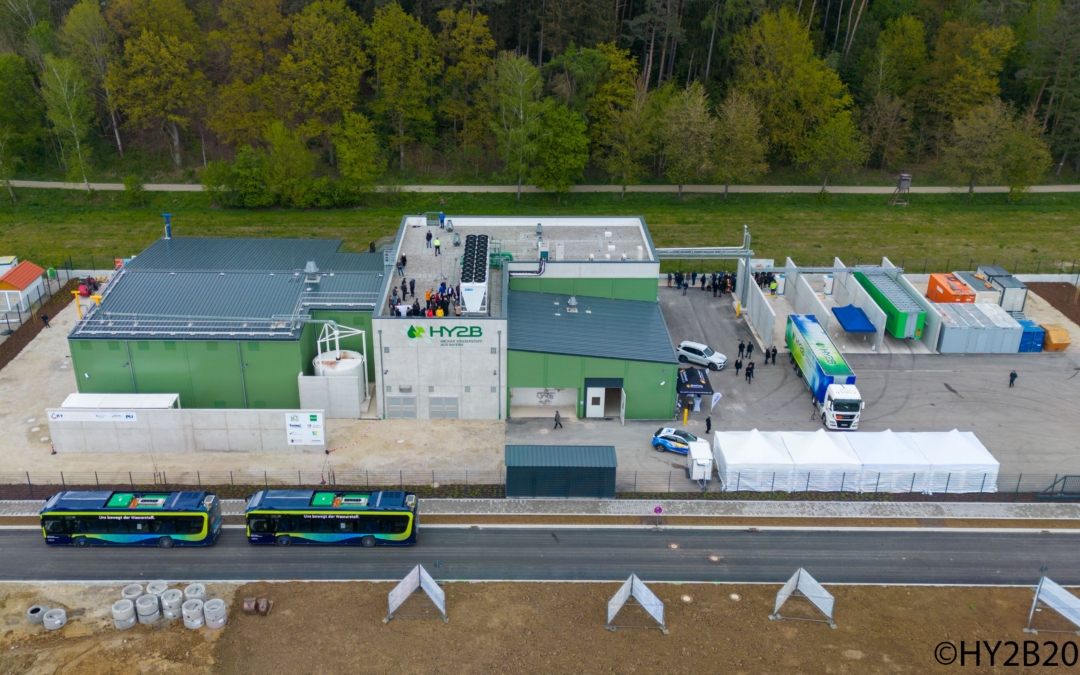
x=443, y=407
x=594, y=402
x=401, y=407
x=622, y=406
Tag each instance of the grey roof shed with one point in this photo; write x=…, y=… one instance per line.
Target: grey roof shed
x=560, y=471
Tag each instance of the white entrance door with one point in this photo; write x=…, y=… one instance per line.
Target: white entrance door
x=594, y=402
x=622, y=407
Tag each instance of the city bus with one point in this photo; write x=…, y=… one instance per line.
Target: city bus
x=163, y=519
x=287, y=517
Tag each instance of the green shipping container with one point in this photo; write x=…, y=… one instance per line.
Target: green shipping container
x=904, y=317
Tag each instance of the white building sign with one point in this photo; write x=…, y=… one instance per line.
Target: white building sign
x=92, y=416
x=305, y=428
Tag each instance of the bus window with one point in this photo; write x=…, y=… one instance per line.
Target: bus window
x=164, y=525
x=398, y=524
x=139, y=527
x=343, y=526
x=54, y=527
x=368, y=524
x=301, y=524
x=258, y=525
x=323, y=525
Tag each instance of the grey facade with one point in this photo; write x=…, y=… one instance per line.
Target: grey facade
x=560, y=471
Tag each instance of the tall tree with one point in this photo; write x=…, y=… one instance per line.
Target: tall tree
x=834, y=148
x=167, y=18
x=248, y=48
x=158, y=84
x=616, y=91
x=739, y=151
x=627, y=139
x=89, y=41
x=404, y=63
x=360, y=160
x=289, y=163
x=21, y=116
x=885, y=126
x=794, y=89
x=562, y=150
x=69, y=109
x=323, y=70
x=515, y=92
x=687, y=131
x=466, y=46
x=974, y=152
x=966, y=69
x=1024, y=157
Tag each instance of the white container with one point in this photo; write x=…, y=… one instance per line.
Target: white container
x=171, y=614
x=126, y=623
x=215, y=624
x=122, y=610
x=54, y=619
x=132, y=592
x=195, y=592
x=214, y=609
x=338, y=363
x=156, y=588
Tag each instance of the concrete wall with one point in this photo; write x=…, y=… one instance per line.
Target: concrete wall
x=180, y=430
x=342, y=397
x=932, y=324
x=848, y=291
x=598, y=269
x=616, y=288
x=470, y=364
x=758, y=312
x=805, y=301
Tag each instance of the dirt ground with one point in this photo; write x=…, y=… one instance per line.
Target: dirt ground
x=1053, y=303
x=529, y=628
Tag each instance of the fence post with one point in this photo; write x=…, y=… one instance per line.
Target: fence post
x=912, y=488
x=93, y=266
x=231, y=478
x=807, y=481
x=1039, y=266
x=299, y=478
x=773, y=488
x=96, y=481
x=635, y=481
x=924, y=265
x=843, y=477
x=433, y=478
x=131, y=481
x=367, y=477
x=947, y=480
x=31, y=485
x=878, y=481
x=947, y=261
x=981, y=487
x=669, y=481
x=166, y=479
x=738, y=481
x=401, y=481
x=1017, y=487
x=266, y=481
x=198, y=477
x=62, y=483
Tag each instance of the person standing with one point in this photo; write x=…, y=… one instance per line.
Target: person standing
x=428, y=238
x=708, y=425
x=404, y=289
x=685, y=285
x=442, y=220
x=412, y=287
x=558, y=421
x=45, y=320
x=702, y=282
x=772, y=286
x=749, y=372
x=436, y=242
x=738, y=365
x=749, y=350
x=401, y=266
x=715, y=286
x=774, y=355
x=670, y=276
x=742, y=348
x=693, y=278
x=1012, y=375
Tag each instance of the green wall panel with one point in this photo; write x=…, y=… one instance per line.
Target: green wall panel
x=623, y=289
x=162, y=368
x=270, y=371
x=650, y=387
x=214, y=368
x=105, y=361
x=359, y=320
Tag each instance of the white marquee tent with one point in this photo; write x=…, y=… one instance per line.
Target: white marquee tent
x=889, y=462
x=824, y=462
x=959, y=462
x=753, y=460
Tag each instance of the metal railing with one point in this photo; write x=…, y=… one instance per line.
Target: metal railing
x=11, y=320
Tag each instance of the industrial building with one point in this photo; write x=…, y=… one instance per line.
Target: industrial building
x=554, y=312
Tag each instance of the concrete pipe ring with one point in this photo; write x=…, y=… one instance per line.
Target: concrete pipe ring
x=172, y=599
x=122, y=610
x=36, y=613
x=193, y=609
x=54, y=619
x=171, y=614
x=214, y=609
x=215, y=624
x=195, y=592
x=148, y=604
x=126, y=623
x=147, y=619
x=132, y=592
x=157, y=587
x=194, y=624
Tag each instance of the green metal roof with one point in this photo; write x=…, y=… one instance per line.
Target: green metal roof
x=562, y=456
x=632, y=330
x=223, y=254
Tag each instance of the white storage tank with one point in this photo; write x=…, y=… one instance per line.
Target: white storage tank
x=339, y=362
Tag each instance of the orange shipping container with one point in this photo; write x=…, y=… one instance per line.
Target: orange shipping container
x=1057, y=338
x=948, y=288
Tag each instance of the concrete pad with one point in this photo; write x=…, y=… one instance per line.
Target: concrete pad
x=1042, y=312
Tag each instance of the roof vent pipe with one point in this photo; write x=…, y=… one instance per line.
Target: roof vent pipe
x=168, y=227
x=571, y=302
x=312, y=272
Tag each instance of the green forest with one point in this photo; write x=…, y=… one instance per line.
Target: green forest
x=310, y=103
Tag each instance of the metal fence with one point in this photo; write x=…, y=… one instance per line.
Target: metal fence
x=908, y=264
x=468, y=483
x=11, y=320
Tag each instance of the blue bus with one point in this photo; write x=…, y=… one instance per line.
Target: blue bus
x=287, y=517
x=163, y=519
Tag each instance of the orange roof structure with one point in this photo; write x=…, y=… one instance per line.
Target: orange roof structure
x=18, y=278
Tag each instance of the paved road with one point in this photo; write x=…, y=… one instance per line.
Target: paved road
x=713, y=189
x=581, y=555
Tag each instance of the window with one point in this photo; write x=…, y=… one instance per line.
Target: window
x=493, y=350
x=493, y=390
x=595, y=400
x=401, y=407
x=467, y=390
x=431, y=390
x=385, y=350
x=443, y=407
x=258, y=525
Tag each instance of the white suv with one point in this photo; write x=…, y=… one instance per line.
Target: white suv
x=697, y=353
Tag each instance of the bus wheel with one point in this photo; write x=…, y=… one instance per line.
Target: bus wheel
x=284, y=540
x=82, y=542
x=368, y=542
x=165, y=542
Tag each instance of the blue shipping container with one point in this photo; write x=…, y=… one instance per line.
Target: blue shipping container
x=1032, y=339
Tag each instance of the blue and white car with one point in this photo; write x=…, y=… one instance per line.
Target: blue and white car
x=677, y=440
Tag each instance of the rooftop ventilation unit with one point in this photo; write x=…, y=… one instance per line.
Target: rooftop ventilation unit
x=311, y=271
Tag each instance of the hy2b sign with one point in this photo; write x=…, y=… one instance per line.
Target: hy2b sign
x=446, y=336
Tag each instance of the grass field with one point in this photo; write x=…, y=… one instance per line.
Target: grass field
x=937, y=232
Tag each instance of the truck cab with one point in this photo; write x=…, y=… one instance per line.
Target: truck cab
x=842, y=407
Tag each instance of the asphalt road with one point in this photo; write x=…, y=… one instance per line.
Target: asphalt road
x=579, y=555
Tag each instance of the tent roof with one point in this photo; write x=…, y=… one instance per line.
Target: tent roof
x=819, y=447
x=883, y=450
x=752, y=447
x=853, y=319
x=953, y=449
x=693, y=381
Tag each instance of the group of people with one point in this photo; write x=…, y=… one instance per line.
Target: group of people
x=717, y=282
x=444, y=301
x=747, y=349
x=766, y=281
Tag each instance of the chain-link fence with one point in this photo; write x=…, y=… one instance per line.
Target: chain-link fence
x=467, y=483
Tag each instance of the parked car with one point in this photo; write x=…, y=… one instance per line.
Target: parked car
x=695, y=352
x=677, y=440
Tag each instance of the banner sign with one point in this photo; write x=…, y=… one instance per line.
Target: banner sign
x=92, y=416
x=305, y=428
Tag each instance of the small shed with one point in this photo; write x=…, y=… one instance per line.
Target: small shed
x=20, y=287
x=560, y=471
